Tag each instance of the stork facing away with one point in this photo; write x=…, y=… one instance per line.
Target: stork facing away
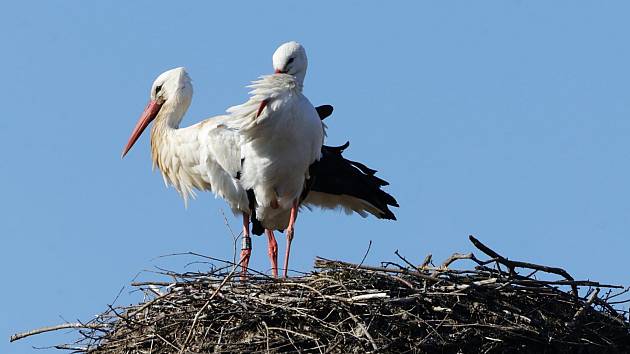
x=207, y=157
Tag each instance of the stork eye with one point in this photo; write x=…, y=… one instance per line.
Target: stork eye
x=157, y=89
x=290, y=60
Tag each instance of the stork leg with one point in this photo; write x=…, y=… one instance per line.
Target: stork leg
x=246, y=249
x=273, y=252
x=290, y=232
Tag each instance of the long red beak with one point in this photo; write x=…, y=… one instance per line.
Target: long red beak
x=147, y=116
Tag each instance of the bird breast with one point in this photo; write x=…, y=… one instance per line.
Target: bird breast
x=277, y=158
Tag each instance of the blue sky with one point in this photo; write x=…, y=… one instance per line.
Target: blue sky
x=508, y=120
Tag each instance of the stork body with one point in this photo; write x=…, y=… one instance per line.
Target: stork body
x=283, y=137
x=279, y=145
x=204, y=156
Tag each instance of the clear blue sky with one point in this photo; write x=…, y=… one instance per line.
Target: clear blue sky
x=504, y=119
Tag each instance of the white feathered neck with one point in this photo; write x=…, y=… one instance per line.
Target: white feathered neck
x=266, y=88
x=172, y=152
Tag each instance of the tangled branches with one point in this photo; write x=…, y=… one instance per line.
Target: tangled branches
x=354, y=308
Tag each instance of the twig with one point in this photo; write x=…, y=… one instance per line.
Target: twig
x=234, y=236
x=19, y=336
x=363, y=329
x=366, y=253
x=514, y=264
x=588, y=304
x=406, y=261
x=192, y=327
x=321, y=261
x=451, y=259
x=427, y=261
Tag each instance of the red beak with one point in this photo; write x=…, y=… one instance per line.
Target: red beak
x=278, y=71
x=147, y=116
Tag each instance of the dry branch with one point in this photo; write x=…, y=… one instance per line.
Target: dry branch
x=355, y=308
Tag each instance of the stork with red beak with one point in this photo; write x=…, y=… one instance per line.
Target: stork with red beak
x=204, y=156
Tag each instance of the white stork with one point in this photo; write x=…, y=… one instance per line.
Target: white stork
x=283, y=137
x=204, y=156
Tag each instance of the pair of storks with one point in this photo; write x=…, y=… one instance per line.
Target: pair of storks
x=265, y=158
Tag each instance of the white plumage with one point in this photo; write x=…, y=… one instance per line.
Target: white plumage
x=345, y=203
x=204, y=156
x=279, y=145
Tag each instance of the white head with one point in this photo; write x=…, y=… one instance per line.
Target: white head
x=290, y=58
x=172, y=85
x=171, y=92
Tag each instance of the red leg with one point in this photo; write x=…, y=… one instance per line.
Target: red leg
x=246, y=249
x=273, y=252
x=290, y=232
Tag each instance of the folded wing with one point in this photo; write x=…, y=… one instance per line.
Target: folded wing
x=339, y=183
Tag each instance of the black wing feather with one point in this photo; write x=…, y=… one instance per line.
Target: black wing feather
x=334, y=174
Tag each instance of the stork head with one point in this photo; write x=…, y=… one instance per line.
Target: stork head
x=171, y=93
x=290, y=58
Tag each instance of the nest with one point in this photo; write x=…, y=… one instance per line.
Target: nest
x=497, y=306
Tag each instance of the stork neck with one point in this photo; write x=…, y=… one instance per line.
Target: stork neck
x=171, y=114
x=300, y=78
x=164, y=126
x=173, y=153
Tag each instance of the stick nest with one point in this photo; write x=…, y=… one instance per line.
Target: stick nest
x=498, y=306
